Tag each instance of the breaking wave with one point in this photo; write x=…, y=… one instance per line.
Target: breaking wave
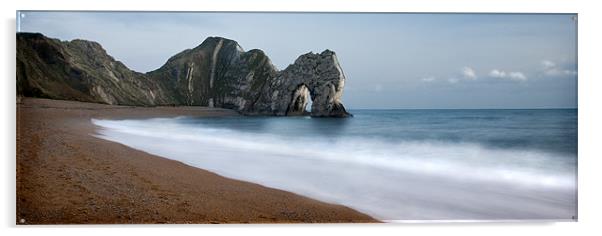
x=390, y=180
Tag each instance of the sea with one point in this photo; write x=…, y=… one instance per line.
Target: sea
x=395, y=165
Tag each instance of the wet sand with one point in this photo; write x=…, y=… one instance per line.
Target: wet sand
x=67, y=176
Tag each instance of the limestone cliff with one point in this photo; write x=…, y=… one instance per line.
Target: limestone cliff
x=80, y=70
x=217, y=73
x=318, y=77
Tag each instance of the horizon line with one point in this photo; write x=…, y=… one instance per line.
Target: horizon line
x=540, y=108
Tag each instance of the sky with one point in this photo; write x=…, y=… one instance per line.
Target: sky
x=390, y=60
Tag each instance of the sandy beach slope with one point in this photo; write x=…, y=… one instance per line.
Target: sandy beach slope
x=67, y=176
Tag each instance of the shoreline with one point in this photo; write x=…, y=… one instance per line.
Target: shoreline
x=65, y=175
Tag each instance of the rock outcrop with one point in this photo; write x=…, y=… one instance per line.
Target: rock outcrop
x=82, y=71
x=318, y=77
x=217, y=73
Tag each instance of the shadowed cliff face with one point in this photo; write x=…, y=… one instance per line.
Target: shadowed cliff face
x=82, y=71
x=217, y=73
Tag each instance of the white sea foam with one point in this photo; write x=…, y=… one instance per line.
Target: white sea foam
x=388, y=180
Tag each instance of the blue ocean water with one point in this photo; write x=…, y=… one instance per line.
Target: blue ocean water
x=549, y=130
x=391, y=164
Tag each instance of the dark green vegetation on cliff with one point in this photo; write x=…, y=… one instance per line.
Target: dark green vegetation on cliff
x=217, y=73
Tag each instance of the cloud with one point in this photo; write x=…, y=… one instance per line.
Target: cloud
x=469, y=73
x=548, y=64
x=497, y=74
x=428, y=79
x=569, y=72
x=453, y=80
x=466, y=73
x=516, y=76
x=552, y=69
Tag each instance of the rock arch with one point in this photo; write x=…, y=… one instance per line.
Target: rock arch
x=318, y=77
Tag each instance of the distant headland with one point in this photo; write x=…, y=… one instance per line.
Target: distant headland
x=217, y=73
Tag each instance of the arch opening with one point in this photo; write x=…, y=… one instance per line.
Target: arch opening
x=300, y=98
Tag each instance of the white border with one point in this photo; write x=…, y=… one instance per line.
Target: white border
x=589, y=115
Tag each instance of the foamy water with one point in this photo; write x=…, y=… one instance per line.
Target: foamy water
x=388, y=178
